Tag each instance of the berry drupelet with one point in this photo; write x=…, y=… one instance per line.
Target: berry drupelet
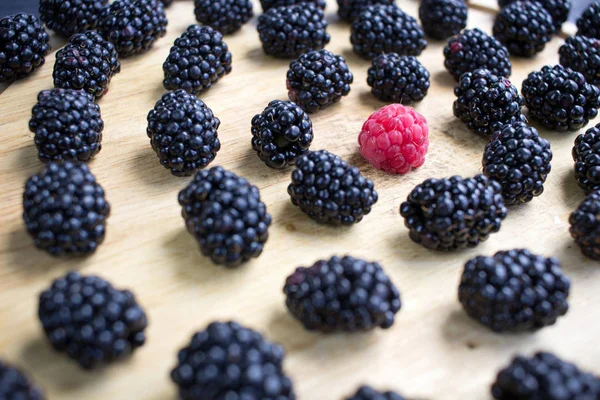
x=65, y=210
x=15, y=385
x=558, y=10
x=485, y=102
x=90, y=320
x=289, y=31
x=585, y=226
x=342, y=294
x=183, y=133
x=281, y=133
x=582, y=54
x=368, y=393
x=67, y=17
x=349, y=10
x=398, y=79
x=514, y=291
x=586, y=154
x=386, y=29
x=453, y=213
x=226, y=216
x=23, y=46
x=474, y=49
x=519, y=159
x=268, y=4
x=197, y=60
x=87, y=62
x=545, y=377
x=67, y=125
x=133, y=25
x=524, y=27
x=318, y=79
x=442, y=19
x=588, y=23
x=560, y=98
x=330, y=191
x=225, y=16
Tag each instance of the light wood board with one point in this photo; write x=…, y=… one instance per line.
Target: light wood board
x=433, y=350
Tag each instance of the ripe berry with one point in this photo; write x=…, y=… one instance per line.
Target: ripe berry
x=582, y=54
x=585, y=226
x=398, y=79
x=15, y=385
x=225, y=16
x=67, y=17
x=586, y=154
x=442, y=19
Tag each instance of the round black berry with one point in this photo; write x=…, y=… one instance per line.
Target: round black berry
x=398, y=79
x=582, y=54
x=329, y=190
x=585, y=226
x=442, y=19
x=67, y=17
x=586, y=154
x=342, y=294
x=268, y=4
x=15, y=385
x=318, y=79
x=368, y=393
x=453, y=213
x=225, y=16
x=588, y=23
x=197, y=60
x=558, y=10
x=67, y=125
x=23, y=46
x=65, y=209
x=349, y=10
x=560, y=99
x=289, y=31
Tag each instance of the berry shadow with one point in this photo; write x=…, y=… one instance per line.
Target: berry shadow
x=352, y=57
x=575, y=264
x=366, y=97
x=443, y=78
x=571, y=192
x=419, y=256
x=26, y=162
x=460, y=134
x=258, y=56
x=150, y=172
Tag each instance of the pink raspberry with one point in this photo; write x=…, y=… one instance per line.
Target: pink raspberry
x=395, y=139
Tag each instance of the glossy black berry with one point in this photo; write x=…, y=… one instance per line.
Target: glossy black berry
x=197, y=60
x=588, y=23
x=342, y=294
x=67, y=17
x=15, y=385
x=582, y=54
x=585, y=226
x=349, y=10
x=453, y=213
x=368, y=393
x=289, y=31
x=87, y=62
x=474, y=49
x=318, y=79
x=398, y=79
x=486, y=102
x=225, y=16
x=268, y=4
x=558, y=10
x=65, y=210
x=560, y=98
x=133, y=25
x=67, y=125
x=586, y=154
x=226, y=216
x=386, y=29
x=92, y=322
x=23, y=46
x=329, y=190
x=519, y=159
x=442, y=19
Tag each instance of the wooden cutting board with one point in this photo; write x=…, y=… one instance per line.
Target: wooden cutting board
x=433, y=350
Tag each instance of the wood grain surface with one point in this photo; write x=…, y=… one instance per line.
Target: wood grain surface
x=433, y=351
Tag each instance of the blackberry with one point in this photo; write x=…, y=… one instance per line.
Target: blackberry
x=15, y=385
x=167, y=3
x=386, y=29
x=474, y=49
x=87, y=62
x=349, y=10
x=289, y=31
x=67, y=125
x=585, y=226
x=342, y=294
x=133, y=25
x=329, y=190
x=268, y=4
x=442, y=19
x=368, y=393
x=67, y=17
x=281, y=133
x=453, y=213
x=560, y=99
x=582, y=54
x=90, y=320
x=65, y=210
x=23, y=46
x=398, y=79
x=486, y=102
x=524, y=27
x=519, y=159
x=197, y=60
x=226, y=216
x=225, y=16
x=318, y=79
x=544, y=376
x=589, y=22
x=514, y=291
x=586, y=154
x=558, y=10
